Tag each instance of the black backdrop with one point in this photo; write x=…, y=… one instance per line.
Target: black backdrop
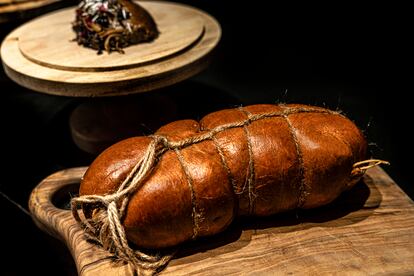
x=350, y=57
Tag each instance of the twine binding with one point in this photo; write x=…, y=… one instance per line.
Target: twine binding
x=105, y=226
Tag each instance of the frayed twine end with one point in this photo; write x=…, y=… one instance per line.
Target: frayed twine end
x=360, y=167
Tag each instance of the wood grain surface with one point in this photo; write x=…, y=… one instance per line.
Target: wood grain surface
x=40, y=56
x=368, y=230
x=179, y=28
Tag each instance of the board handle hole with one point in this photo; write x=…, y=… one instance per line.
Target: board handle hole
x=61, y=198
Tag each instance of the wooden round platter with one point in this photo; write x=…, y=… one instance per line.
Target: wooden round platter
x=368, y=230
x=13, y=10
x=41, y=55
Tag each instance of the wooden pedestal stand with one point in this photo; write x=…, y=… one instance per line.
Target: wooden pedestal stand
x=40, y=55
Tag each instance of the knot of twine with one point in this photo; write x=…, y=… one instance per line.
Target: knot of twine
x=104, y=226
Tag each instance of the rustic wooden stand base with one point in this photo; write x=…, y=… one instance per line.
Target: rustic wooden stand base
x=97, y=124
x=367, y=231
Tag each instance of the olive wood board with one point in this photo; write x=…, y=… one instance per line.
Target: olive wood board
x=41, y=54
x=13, y=10
x=369, y=230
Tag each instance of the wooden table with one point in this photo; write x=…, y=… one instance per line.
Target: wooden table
x=368, y=230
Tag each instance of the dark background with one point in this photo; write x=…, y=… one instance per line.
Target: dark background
x=350, y=57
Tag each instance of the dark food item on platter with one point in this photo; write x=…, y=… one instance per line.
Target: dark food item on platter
x=111, y=25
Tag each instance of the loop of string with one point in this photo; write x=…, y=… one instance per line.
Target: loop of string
x=105, y=224
x=361, y=166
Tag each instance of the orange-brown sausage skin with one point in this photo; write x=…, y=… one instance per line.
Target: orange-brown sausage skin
x=302, y=160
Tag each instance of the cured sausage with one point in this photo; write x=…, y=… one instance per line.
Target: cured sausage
x=257, y=160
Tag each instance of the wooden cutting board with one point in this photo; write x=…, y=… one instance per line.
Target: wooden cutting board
x=41, y=55
x=368, y=230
